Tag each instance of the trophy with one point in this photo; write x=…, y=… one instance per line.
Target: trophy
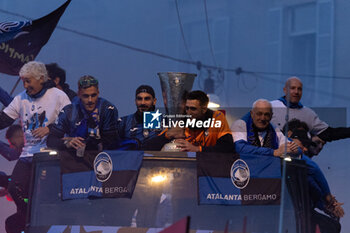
x=175, y=86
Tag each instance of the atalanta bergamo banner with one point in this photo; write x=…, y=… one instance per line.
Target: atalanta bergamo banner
x=104, y=174
x=232, y=179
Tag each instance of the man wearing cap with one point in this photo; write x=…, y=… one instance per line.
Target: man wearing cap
x=131, y=127
x=88, y=123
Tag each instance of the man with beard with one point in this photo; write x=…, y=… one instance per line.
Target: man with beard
x=214, y=138
x=293, y=90
x=130, y=128
x=90, y=122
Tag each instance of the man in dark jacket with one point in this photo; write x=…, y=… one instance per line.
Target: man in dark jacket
x=130, y=127
x=89, y=122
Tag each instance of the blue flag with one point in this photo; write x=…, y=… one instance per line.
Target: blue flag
x=232, y=179
x=21, y=41
x=104, y=174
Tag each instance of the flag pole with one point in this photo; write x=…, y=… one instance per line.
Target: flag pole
x=15, y=86
x=13, y=90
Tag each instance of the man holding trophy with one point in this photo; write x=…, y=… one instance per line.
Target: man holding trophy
x=204, y=130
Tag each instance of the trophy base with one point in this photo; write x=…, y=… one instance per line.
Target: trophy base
x=171, y=147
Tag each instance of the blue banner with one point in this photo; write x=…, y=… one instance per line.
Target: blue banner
x=232, y=179
x=104, y=174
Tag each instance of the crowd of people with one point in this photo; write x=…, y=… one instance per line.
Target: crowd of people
x=52, y=115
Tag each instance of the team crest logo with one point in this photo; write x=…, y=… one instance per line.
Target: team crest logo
x=240, y=174
x=151, y=120
x=103, y=167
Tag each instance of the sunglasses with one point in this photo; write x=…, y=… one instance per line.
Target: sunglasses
x=88, y=82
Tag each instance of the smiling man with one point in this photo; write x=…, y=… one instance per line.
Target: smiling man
x=253, y=134
x=89, y=122
x=37, y=108
x=293, y=90
x=131, y=127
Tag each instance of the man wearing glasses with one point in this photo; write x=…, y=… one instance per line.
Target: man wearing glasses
x=89, y=123
x=130, y=128
x=206, y=130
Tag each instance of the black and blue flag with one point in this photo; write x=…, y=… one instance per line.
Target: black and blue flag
x=233, y=179
x=21, y=41
x=104, y=174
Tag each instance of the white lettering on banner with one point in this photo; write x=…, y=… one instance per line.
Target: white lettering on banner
x=220, y=196
x=109, y=190
x=116, y=190
x=260, y=197
x=238, y=197
x=12, y=53
x=84, y=191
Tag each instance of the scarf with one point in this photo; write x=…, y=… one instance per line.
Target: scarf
x=89, y=127
x=47, y=85
x=291, y=105
x=270, y=140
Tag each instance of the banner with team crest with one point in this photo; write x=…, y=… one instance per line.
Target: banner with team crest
x=233, y=179
x=104, y=174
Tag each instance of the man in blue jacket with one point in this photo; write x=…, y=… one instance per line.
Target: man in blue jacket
x=90, y=122
x=130, y=127
x=254, y=134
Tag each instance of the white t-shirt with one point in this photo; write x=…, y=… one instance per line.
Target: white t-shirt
x=35, y=113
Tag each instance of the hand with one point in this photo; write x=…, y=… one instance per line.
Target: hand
x=292, y=148
x=333, y=207
x=40, y=132
x=76, y=143
x=338, y=210
x=187, y=146
x=175, y=132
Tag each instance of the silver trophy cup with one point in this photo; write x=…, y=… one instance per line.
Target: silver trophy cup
x=175, y=86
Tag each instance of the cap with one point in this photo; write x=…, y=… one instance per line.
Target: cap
x=146, y=89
